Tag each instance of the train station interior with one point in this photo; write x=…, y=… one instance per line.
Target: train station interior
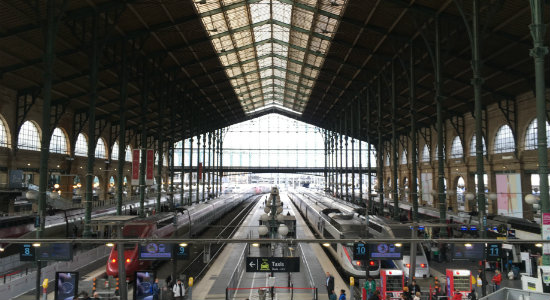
x=274, y=149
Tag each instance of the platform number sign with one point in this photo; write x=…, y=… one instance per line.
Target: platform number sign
x=493, y=252
x=27, y=253
x=360, y=251
x=182, y=252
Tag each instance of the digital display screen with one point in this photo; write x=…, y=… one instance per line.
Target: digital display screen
x=155, y=251
x=56, y=252
x=143, y=285
x=471, y=252
x=493, y=252
x=383, y=251
x=66, y=285
x=182, y=252
x=360, y=251
x=27, y=253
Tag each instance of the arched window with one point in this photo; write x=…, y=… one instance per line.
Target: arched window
x=456, y=148
x=128, y=153
x=100, y=151
x=58, y=142
x=504, y=140
x=404, y=157
x=425, y=153
x=114, y=151
x=28, y=137
x=3, y=134
x=81, y=146
x=473, y=146
x=531, y=137
x=387, y=163
x=436, y=151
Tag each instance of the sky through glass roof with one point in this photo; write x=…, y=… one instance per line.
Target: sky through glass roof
x=272, y=50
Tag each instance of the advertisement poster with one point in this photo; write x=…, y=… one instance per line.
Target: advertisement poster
x=155, y=251
x=427, y=186
x=66, y=285
x=509, y=201
x=143, y=289
x=150, y=167
x=200, y=171
x=135, y=167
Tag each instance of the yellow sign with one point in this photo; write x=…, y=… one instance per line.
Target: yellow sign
x=45, y=283
x=190, y=281
x=351, y=281
x=265, y=265
x=501, y=238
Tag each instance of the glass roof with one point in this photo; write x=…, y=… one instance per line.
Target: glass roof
x=272, y=50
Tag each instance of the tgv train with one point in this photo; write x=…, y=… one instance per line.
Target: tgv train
x=331, y=223
x=162, y=225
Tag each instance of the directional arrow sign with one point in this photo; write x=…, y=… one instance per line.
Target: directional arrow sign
x=273, y=264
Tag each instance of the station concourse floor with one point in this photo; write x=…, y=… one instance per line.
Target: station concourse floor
x=213, y=285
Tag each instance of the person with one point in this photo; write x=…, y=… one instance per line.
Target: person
x=406, y=293
x=497, y=279
x=370, y=286
x=481, y=284
x=332, y=295
x=414, y=288
x=436, y=292
x=155, y=289
x=179, y=290
x=342, y=295
x=375, y=295
x=417, y=296
x=330, y=283
x=457, y=295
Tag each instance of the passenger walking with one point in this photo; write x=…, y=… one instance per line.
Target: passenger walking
x=332, y=295
x=179, y=290
x=155, y=289
x=417, y=296
x=342, y=295
x=329, y=283
x=497, y=279
x=370, y=286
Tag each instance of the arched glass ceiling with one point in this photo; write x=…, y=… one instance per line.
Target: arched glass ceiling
x=272, y=50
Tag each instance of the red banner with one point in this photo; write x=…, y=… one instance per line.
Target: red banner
x=150, y=167
x=200, y=171
x=135, y=166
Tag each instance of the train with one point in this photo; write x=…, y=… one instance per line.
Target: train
x=332, y=223
x=191, y=222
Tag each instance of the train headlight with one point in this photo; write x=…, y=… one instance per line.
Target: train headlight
x=372, y=263
x=422, y=265
x=113, y=260
x=407, y=265
x=358, y=263
x=128, y=260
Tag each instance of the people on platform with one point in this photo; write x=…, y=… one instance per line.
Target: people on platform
x=332, y=295
x=179, y=290
x=375, y=296
x=497, y=279
x=155, y=289
x=414, y=288
x=416, y=296
x=329, y=283
x=370, y=286
x=342, y=295
x=481, y=284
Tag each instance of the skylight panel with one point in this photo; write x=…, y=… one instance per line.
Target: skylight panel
x=270, y=48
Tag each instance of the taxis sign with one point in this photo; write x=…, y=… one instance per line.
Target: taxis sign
x=273, y=264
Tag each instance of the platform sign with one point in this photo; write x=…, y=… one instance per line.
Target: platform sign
x=27, y=253
x=182, y=252
x=384, y=251
x=66, y=285
x=469, y=252
x=493, y=252
x=273, y=264
x=54, y=252
x=360, y=251
x=154, y=251
x=143, y=285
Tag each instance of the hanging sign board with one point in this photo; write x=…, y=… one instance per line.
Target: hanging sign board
x=135, y=167
x=546, y=233
x=150, y=167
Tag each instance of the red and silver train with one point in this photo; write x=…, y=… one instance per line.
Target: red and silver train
x=162, y=225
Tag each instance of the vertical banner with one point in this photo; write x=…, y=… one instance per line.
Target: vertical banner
x=427, y=185
x=200, y=171
x=509, y=202
x=149, y=167
x=135, y=167
x=546, y=233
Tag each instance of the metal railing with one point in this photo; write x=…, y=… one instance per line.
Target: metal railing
x=236, y=275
